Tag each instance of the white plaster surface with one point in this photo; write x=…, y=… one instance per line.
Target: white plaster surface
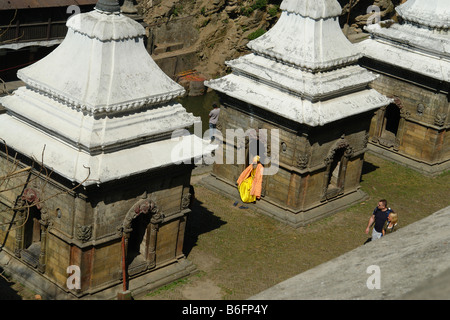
x=295, y=108
x=435, y=13
x=99, y=101
x=99, y=76
x=95, y=133
x=421, y=44
x=306, y=43
x=314, y=86
x=407, y=58
x=321, y=9
x=71, y=163
x=303, y=69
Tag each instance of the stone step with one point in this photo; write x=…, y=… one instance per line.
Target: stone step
x=167, y=47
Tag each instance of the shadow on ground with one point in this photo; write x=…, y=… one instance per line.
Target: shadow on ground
x=199, y=221
x=367, y=168
x=6, y=292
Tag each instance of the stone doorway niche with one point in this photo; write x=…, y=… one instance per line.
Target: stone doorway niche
x=391, y=122
x=140, y=229
x=32, y=237
x=256, y=145
x=334, y=177
x=137, y=244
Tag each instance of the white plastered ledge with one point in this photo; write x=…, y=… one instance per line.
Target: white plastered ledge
x=70, y=163
x=295, y=108
x=96, y=133
x=313, y=86
x=407, y=58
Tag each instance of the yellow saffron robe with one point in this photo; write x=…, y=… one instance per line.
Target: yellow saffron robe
x=250, y=183
x=246, y=187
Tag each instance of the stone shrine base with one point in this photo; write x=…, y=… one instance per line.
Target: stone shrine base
x=286, y=215
x=420, y=166
x=140, y=285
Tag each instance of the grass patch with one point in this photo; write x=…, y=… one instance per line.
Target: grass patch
x=168, y=287
x=257, y=5
x=256, y=34
x=248, y=252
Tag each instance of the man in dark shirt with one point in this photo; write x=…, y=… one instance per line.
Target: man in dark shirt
x=213, y=118
x=378, y=218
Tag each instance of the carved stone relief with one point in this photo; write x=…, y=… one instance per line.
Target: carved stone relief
x=84, y=233
x=186, y=201
x=439, y=119
x=302, y=161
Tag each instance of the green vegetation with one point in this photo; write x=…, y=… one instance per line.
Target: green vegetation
x=177, y=10
x=257, y=5
x=273, y=10
x=175, y=284
x=168, y=287
x=256, y=34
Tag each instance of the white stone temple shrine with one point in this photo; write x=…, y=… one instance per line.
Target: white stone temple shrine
x=412, y=57
x=303, y=79
x=115, y=197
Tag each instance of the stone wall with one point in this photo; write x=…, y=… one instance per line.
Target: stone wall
x=424, y=109
x=305, y=156
x=171, y=45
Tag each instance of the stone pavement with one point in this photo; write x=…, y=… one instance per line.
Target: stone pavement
x=411, y=263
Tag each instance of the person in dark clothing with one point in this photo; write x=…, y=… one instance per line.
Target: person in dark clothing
x=377, y=219
x=213, y=118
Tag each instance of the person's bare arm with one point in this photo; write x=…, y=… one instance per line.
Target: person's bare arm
x=371, y=221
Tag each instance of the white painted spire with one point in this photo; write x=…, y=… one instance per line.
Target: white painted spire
x=303, y=69
x=102, y=66
x=308, y=35
x=435, y=13
x=420, y=44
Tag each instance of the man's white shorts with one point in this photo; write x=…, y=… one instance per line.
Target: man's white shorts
x=376, y=235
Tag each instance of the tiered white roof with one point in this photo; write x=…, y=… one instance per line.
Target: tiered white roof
x=102, y=67
x=98, y=100
x=420, y=44
x=304, y=68
x=434, y=14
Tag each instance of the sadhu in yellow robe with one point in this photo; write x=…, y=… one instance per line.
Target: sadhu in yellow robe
x=250, y=181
